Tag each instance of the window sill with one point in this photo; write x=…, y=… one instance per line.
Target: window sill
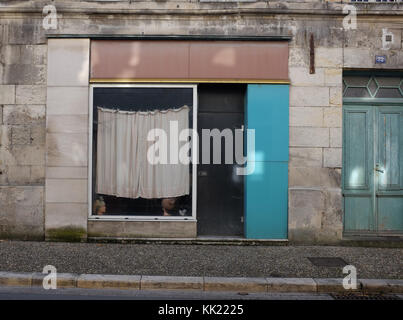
x=140, y=219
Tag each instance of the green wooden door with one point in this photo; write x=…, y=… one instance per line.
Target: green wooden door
x=389, y=169
x=373, y=169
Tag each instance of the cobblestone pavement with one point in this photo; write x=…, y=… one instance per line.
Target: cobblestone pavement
x=197, y=260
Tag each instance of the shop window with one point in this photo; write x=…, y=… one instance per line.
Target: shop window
x=134, y=173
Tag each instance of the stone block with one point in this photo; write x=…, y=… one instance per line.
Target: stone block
x=67, y=101
x=67, y=149
x=309, y=137
x=332, y=117
x=306, y=117
x=309, y=96
x=37, y=174
x=300, y=76
x=24, y=114
x=38, y=135
x=22, y=212
x=24, y=74
x=17, y=175
x=332, y=157
x=10, y=54
x=20, y=135
x=298, y=57
x=143, y=229
x=66, y=172
x=291, y=285
x=23, y=196
x=29, y=154
x=374, y=286
x=332, y=285
x=15, y=279
x=63, y=280
x=395, y=285
x=7, y=94
x=68, y=62
x=30, y=31
x=34, y=55
x=305, y=157
x=336, y=137
x=358, y=58
x=99, y=281
x=306, y=197
x=171, y=283
x=333, y=77
x=66, y=190
x=336, y=96
x=235, y=284
x=313, y=177
x=30, y=94
x=67, y=124
x=328, y=57
x=61, y=215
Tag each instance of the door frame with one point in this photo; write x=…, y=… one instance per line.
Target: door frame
x=374, y=103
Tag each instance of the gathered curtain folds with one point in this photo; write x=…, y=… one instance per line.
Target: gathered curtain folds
x=123, y=169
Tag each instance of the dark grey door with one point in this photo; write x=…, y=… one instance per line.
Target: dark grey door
x=220, y=191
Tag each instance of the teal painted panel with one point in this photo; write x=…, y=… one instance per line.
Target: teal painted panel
x=358, y=186
x=267, y=113
x=390, y=159
x=266, y=198
x=389, y=149
x=357, y=148
x=266, y=189
x=358, y=213
x=390, y=213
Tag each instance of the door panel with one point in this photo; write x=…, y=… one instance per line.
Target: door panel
x=388, y=150
x=358, y=213
x=390, y=213
x=388, y=176
x=220, y=197
x=357, y=168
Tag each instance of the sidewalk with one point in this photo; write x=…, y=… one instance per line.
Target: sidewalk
x=198, y=260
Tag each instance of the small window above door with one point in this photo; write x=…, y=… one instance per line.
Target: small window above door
x=373, y=86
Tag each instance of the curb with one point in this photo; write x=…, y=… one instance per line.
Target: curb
x=248, y=285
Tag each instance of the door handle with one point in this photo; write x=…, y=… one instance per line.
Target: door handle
x=379, y=170
x=202, y=173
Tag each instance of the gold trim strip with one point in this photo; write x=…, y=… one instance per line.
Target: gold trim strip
x=111, y=80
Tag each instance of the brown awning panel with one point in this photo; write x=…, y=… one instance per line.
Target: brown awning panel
x=189, y=60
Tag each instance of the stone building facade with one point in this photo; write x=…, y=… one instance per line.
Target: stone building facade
x=44, y=97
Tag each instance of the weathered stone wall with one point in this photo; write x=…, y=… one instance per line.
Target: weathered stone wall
x=22, y=129
x=27, y=98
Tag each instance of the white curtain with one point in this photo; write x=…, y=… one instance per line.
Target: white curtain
x=123, y=169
